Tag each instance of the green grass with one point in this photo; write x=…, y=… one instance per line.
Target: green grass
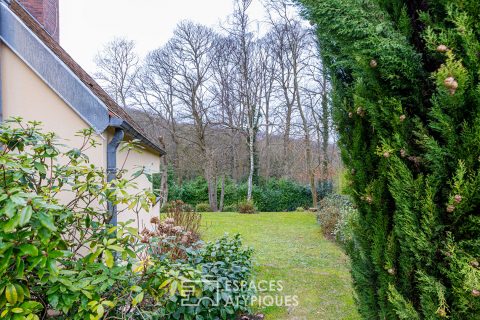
x=290, y=247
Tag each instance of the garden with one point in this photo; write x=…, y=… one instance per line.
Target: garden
x=328, y=171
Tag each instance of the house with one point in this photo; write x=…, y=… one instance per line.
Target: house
x=40, y=81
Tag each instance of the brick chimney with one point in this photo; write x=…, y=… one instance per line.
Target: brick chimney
x=46, y=12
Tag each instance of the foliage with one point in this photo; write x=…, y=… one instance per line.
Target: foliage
x=169, y=240
x=45, y=260
x=209, y=283
x=269, y=196
x=334, y=214
x=183, y=215
x=407, y=106
x=230, y=208
x=63, y=256
x=246, y=207
x=203, y=207
x=176, y=206
x=300, y=209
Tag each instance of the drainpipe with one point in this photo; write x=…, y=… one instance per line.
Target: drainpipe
x=112, y=168
x=1, y=96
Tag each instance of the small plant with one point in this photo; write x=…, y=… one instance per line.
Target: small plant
x=300, y=209
x=176, y=205
x=331, y=214
x=183, y=215
x=168, y=240
x=203, y=207
x=230, y=208
x=246, y=207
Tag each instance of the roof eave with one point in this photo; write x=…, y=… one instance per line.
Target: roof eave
x=131, y=131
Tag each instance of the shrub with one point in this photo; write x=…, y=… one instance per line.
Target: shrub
x=207, y=272
x=407, y=106
x=300, y=209
x=42, y=238
x=203, y=207
x=331, y=213
x=270, y=196
x=230, y=208
x=66, y=259
x=170, y=240
x=346, y=227
x=176, y=206
x=246, y=207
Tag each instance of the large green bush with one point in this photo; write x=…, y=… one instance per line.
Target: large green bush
x=63, y=257
x=406, y=97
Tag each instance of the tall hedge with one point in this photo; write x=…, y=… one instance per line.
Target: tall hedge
x=405, y=78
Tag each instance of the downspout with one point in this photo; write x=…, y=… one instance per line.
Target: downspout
x=112, y=168
x=1, y=96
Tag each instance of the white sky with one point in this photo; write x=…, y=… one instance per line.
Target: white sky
x=86, y=25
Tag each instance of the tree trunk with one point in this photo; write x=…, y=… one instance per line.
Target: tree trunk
x=163, y=192
x=286, y=143
x=325, y=135
x=251, y=150
x=212, y=188
x=222, y=194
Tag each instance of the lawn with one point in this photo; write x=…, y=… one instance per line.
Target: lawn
x=289, y=247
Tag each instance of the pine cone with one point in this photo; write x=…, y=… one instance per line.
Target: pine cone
x=442, y=313
x=458, y=198
x=442, y=48
x=360, y=111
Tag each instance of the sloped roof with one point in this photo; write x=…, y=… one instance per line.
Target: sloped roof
x=114, y=109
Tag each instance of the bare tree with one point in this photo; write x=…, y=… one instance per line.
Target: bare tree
x=248, y=82
x=293, y=53
x=191, y=50
x=226, y=105
x=155, y=95
x=117, y=66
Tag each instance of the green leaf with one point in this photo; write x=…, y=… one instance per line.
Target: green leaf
x=20, y=268
x=137, y=299
x=32, y=306
x=25, y=215
x=11, y=224
x=17, y=310
x=29, y=250
x=115, y=248
x=108, y=258
x=11, y=294
x=46, y=221
x=10, y=209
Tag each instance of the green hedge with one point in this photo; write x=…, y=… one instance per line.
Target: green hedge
x=269, y=196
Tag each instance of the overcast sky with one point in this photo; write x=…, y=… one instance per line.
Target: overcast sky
x=86, y=25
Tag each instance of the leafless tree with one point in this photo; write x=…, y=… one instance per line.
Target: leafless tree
x=226, y=104
x=294, y=54
x=248, y=81
x=191, y=49
x=117, y=66
x=155, y=95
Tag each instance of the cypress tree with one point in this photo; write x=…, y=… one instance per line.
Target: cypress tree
x=405, y=78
